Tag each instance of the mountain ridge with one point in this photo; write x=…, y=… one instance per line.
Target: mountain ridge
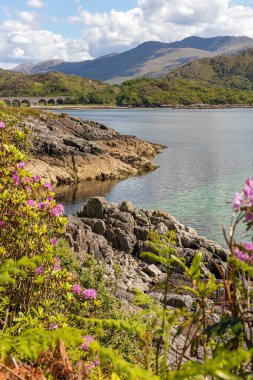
x=150, y=58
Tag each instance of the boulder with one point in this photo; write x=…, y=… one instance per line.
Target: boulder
x=96, y=207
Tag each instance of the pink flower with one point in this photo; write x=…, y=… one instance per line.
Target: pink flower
x=248, y=246
x=50, y=198
x=3, y=224
x=47, y=185
x=42, y=205
x=53, y=241
x=36, y=178
x=249, y=182
x=76, y=289
x=241, y=256
x=53, y=326
x=89, y=294
x=31, y=203
x=39, y=270
x=248, y=217
x=57, y=210
x=2, y=125
x=57, y=264
x=237, y=200
x=21, y=165
x=96, y=361
x=15, y=178
x=88, y=339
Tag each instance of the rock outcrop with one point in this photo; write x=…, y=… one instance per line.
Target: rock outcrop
x=117, y=235
x=67, y=150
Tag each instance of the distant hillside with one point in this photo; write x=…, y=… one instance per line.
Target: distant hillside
x=235, y=71
x=152, y=58
x=156, y=92
x=77, y=89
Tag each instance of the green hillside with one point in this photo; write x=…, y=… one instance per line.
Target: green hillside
x=78, y=90
x=166, y=91
x=235, y=71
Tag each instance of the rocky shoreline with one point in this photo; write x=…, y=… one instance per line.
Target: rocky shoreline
x=118, y=234
x=69, y=150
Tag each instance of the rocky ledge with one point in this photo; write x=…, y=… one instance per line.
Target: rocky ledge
x=117, y=235
x=68, y=150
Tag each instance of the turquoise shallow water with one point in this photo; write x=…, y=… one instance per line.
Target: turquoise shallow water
x=209, y=154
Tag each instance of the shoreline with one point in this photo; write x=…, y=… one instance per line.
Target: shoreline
x=179, y=107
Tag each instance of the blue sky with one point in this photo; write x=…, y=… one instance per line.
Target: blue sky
x=37, y=30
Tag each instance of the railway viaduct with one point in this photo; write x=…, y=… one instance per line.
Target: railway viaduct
x=27, y=101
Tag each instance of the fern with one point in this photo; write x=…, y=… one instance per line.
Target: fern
x=121, y=366
x=31, y=342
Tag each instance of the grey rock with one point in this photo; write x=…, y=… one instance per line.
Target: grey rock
x=152, y=270
x=123, y=217
x=126, y=206
x=141, y=233
x=99, y=227
x=180, y=301
x=96, y=207
x=124, y=294
x=126, y=243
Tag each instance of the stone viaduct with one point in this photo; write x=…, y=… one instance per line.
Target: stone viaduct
x=27, y=101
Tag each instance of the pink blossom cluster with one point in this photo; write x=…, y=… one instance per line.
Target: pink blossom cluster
x=39, y=270
x=245, y=253
x=21, y=165
x=87, y=294
x=2, y=125
x=76, y=289
x=3, y=224
x=87, y=340
x=44, y=205
x=244, y=201
x=57, y=210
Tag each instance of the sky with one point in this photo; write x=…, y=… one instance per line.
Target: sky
x=76, y=30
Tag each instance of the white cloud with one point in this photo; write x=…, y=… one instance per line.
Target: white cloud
x=36, y=3
x=23, y=39
x=28, y=17
x=22, y=42
x=164, y=20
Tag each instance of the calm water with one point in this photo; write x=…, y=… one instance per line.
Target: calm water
x=209, y=154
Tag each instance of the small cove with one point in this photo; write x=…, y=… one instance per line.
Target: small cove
x=208, y=157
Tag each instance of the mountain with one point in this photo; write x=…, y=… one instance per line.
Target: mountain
x=152, y=58
x=235, y=71
x=31, y=68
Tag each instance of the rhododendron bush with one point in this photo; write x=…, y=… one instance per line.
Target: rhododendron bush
x=30, y=223
x=46, y=297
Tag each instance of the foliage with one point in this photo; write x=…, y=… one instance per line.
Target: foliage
x=47, y=297
x=166, y=91
x=78, y=90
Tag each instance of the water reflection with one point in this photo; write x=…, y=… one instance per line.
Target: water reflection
x=74, y=196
